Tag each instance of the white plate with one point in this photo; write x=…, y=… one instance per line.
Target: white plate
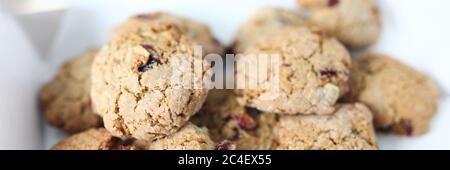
x=414, y=31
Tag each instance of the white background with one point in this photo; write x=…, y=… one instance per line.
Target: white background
x=414, y=31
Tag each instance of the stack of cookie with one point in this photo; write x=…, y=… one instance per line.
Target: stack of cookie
x=128, y=86
x=121, y=97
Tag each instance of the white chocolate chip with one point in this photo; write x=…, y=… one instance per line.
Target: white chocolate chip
x=331, y=92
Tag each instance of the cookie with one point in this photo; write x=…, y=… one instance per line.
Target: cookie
x=190, y=137
x=349, y=128
x=356, y=23
x=92, y=139
x=264, y=21
x=229, y=123
x=65, y=100
x=402, y=99
x=313, y=73
x=137, y=83
x=197, y=31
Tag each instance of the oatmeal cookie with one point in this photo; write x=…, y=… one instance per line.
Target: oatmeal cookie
x=197, y=31
x=349, y=128
x=139, y=85
x=228, y=122
x=92, y=139
x=402, y=99
x=313, y=73
x=356, y=23
x=264, y=21
x=190, y=137
x=65, y=100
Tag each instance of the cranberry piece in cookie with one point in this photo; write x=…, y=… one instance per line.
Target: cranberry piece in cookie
x=332, y=3
x=244, y=121
x=408, y=126
x=236, y=134
x=226, y=145
x=328, y=73
x=152, y=60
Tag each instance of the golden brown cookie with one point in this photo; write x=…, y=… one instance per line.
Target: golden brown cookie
x=349, y=128
x=401, y=98
x=264, y=21
x=190, y=137
x=197, y=31
x=92, y=139
x=138, y=85
x=65, y=99
x=313, y=73
x=356, y=23
x=228, y=122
